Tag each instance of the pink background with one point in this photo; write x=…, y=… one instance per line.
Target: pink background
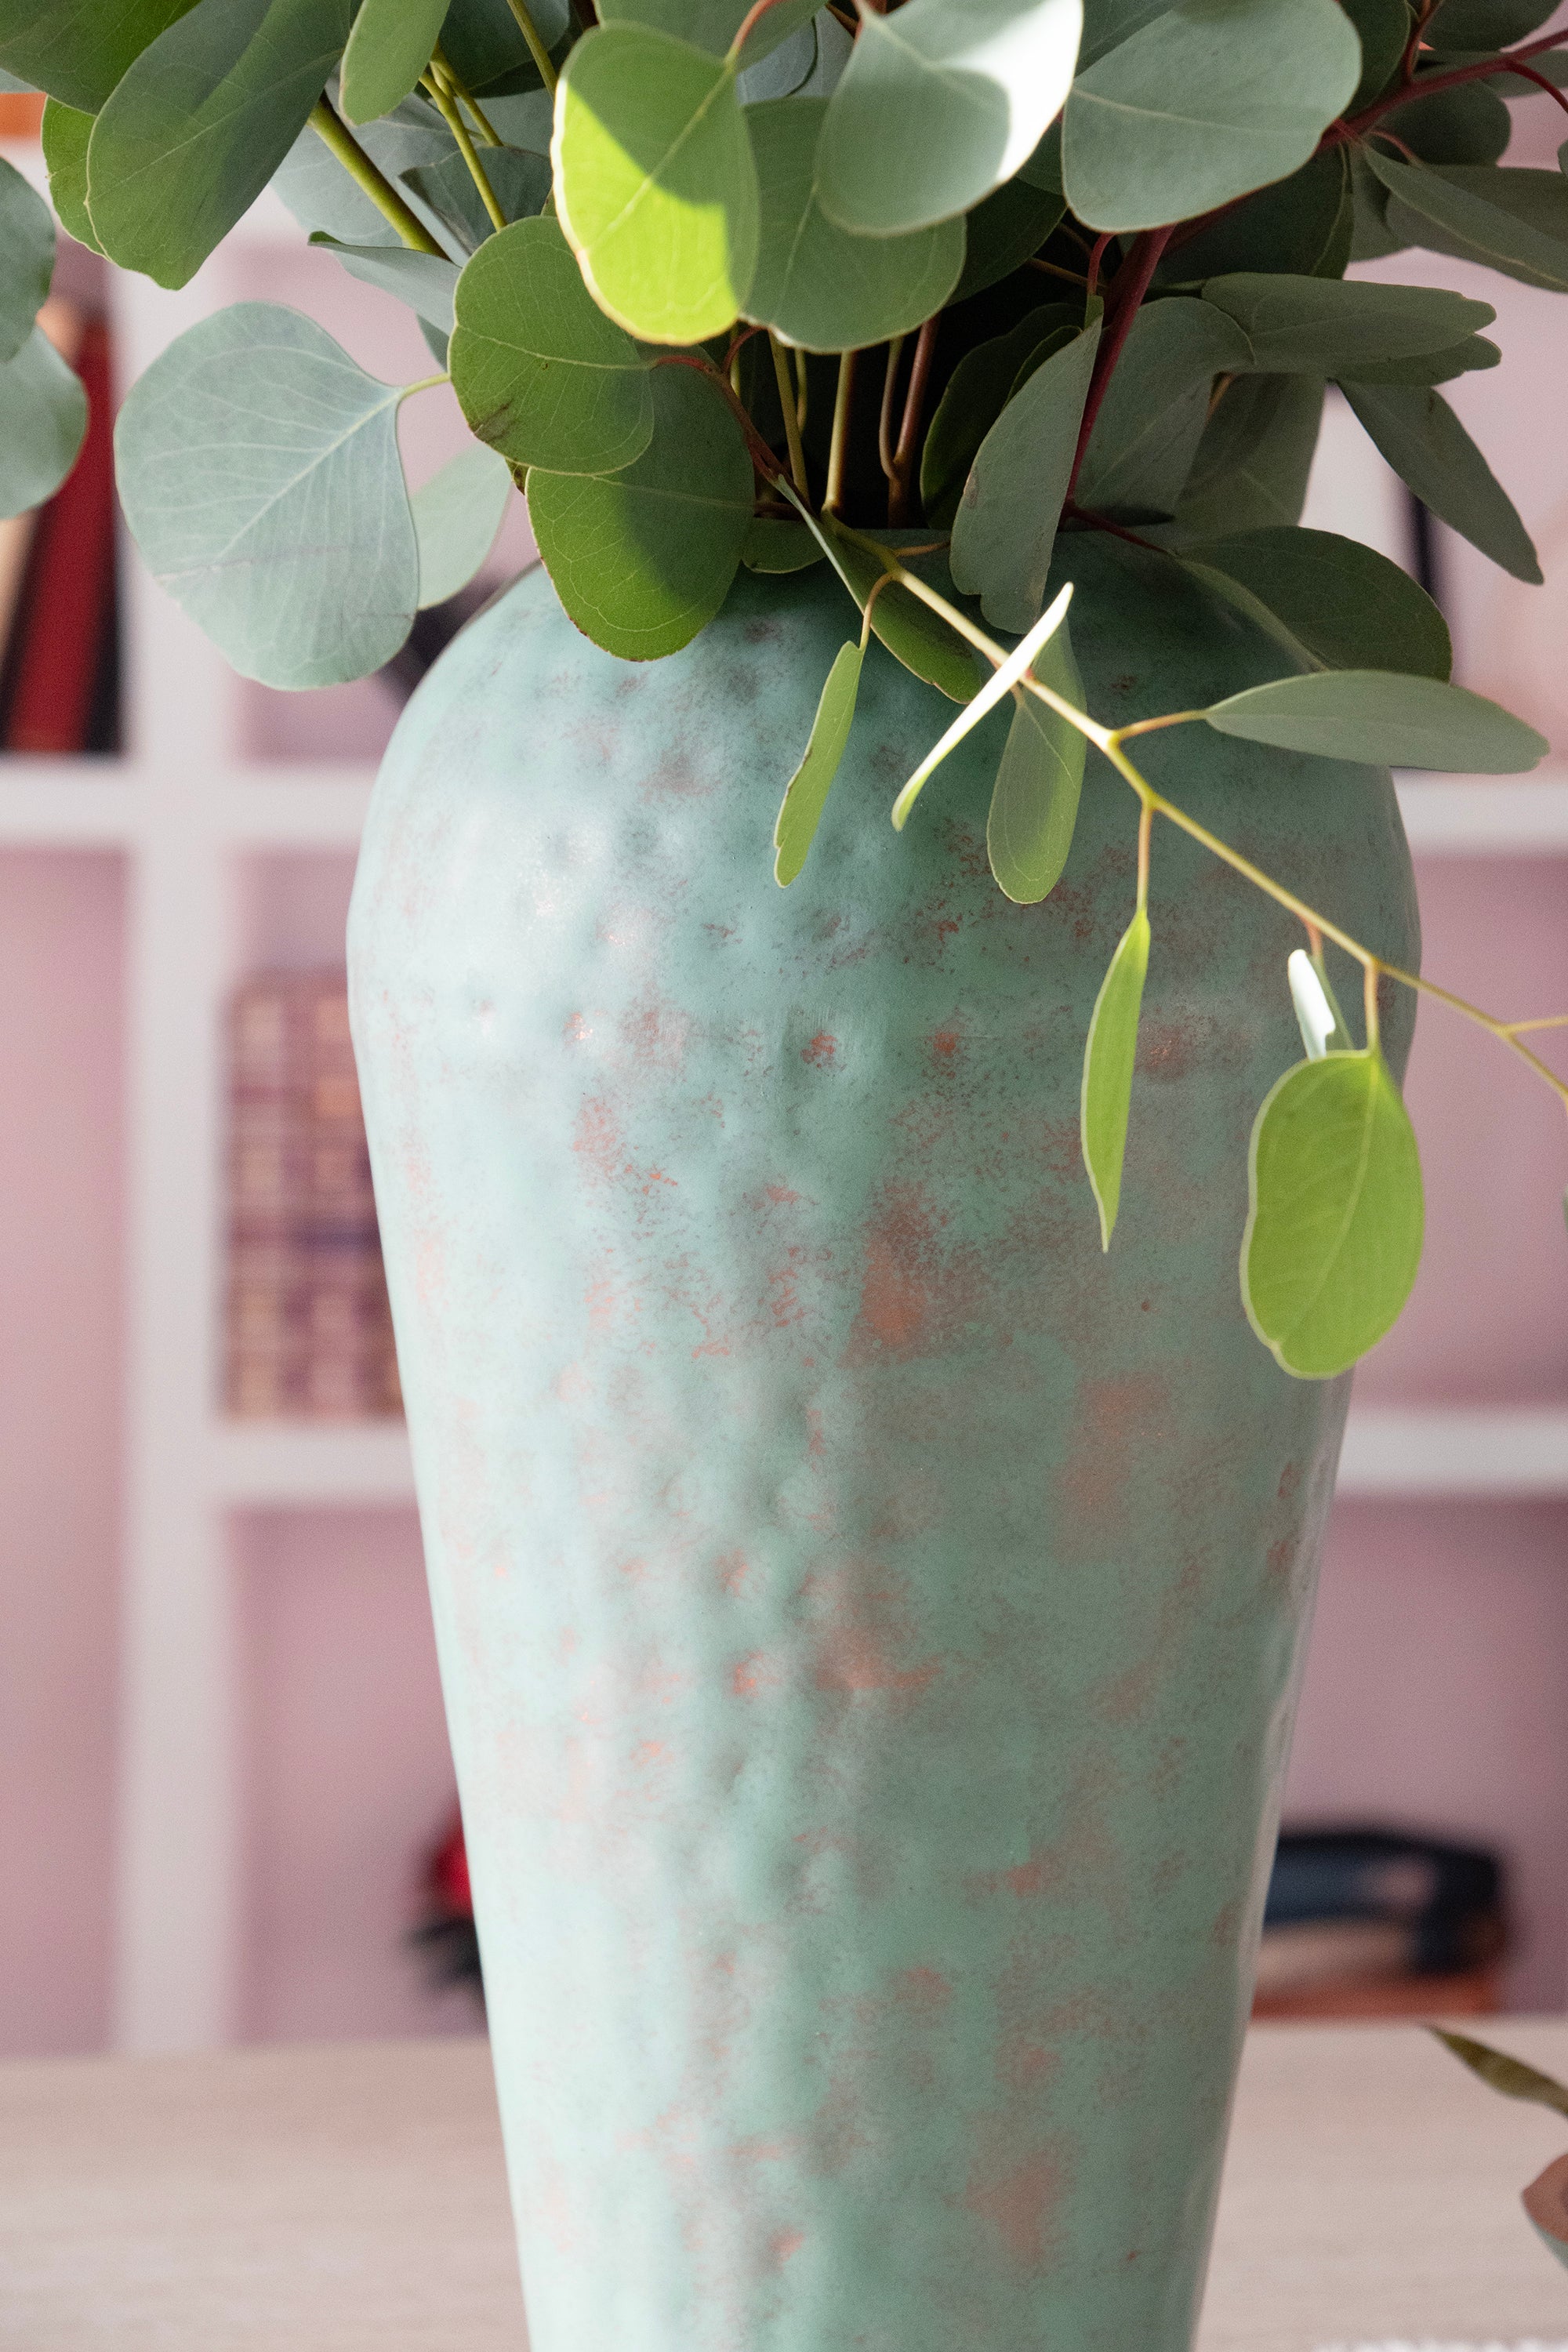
x=1438, y=1694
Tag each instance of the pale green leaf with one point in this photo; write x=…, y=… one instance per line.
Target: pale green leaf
x=1154, y=411
x=1334, y=1229
x=1210, y=99
x=1318, y=1016
x=259, y=474
x=1001, y=233
x=654, y=183
x=1326, y=326
x=996, y=689
x=712, y=24
x=1005, y=525
x=1109, y=1055
x=1511, y=2076
x=1034, y=803
x=806, y=793
x=77, y=50
x=44, y=410
x=199, y=124
x=772, y=545
x=976, y=393
x=939, y=105
x=914, y=635
x=457, y=514
x=1511, y=220
x=643, y=559
x=541, y=373
x=1385, y=719
x=388, y=51
x=28, y=236
x=65, y=134
x=815, y=283
x=1255, y=456
x=1426, y=444
x=1337, y=604
x=519, y=180
x=427, y=282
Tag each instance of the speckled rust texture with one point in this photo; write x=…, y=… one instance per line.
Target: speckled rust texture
x=870, y=1618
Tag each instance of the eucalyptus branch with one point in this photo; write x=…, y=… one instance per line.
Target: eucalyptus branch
x=885, y=421
x=791, y=421
x=1127, y=289
x=536, y=48
x=459, y=90
x=1356, y=126
x=909, y=431
x=341, y=141
x=453, y=119
x=843, y=401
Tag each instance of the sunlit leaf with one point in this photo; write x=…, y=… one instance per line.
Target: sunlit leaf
x=1318, y=1016
x=806, y=794
x=388, y=51
x=939, y=105
x=28, y=241
x=1204, y=104
x=44, y=410
x=77, y=50
x=1337, y=603
x=996, y=689
x=427, y=282
x=1034, y=803
x=64, y=136
x=1326, y=326
x=1426, y=444
x=1385, y=719
x=654, y=183
x=259, y=474
x=643, y=559
x=914, y=635
x=457, y=514
x=1334, y=1229
x=202, y=119
x=1108, y=1055
x=541, y=373
x=1153, y=417
x=1005, y=525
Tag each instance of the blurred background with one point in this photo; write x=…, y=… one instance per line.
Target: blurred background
x=227, y=1807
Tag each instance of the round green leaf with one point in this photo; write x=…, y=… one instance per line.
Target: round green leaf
x=1333, y=1234
x=44, y=410
x=1469, y=124
x=806, y=795
x=939, y=105
x=1301, y=225
x=388, y=51
x=259, y=475
x=487, y=51
x=1212, y=99
x=200, y=122
x=541, y=374
x=815, y=284
x=1383, y=27
x=654, y=183
x=1383, y=720
x=77, y=50
x=457, y=514
x=643, y=559
x=1337, y=604
x=66, y=132
x=28, y=236
x=1034, y=803
x=1109, y=1053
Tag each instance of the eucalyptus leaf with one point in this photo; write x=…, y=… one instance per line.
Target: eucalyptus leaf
x=774, y=545
x=457, y=514
x=1002, y=233
x=1385, y=719
x=1428, y=448
x=77, y=50
x=1154, y=413
x=712, y=24
x=1511, y=2076
x=539, y=371
x=1002, y=681
x=425, y=281
x=939, y=105
x=1318, y=1016
x=1109, y=1053
x=1323, y=326
x=200, y=122
x=485, y=46
x=1334, y=1229
x=28, y=240
x=520, y=181
x=1513, y=221
x=1005, y=525
x=1427, y=367
x=644, y=558
x=915, y=635
x=1487, y=24
x=654, y=183
x=976, y=393
x=320, y=193
x=806, y=795
x=259, y=474
x=1469, y=124
x=64, y=137
x=388, y=51
x=1339, y=605
x=1255, y=456
x=1033, y=802
x=1108, y=23
x=1383, y=27
x=816, y=285
x=1209, y=101
x=44, y=410
x=1301, y=225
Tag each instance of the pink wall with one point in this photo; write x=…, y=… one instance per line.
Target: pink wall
x=60, y=1181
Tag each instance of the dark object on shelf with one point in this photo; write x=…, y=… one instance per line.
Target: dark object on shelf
x=446, y=1935
x=1363, y=1922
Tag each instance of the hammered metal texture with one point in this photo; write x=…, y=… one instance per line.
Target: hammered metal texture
x=870, y=1617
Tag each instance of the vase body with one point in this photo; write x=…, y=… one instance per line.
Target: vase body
x=870, y=1617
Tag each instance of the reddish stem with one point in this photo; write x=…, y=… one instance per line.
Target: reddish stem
x=1127, y=289
x=909, y=431
x=1451, y=78
x=1096, y=255
x=1540, y=82
x=753, y=14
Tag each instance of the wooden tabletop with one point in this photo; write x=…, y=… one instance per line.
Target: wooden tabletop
x=351, y=2200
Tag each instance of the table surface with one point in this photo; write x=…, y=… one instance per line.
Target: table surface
x=352, y=2200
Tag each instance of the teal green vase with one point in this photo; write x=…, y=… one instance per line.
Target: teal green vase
x=870, y=1617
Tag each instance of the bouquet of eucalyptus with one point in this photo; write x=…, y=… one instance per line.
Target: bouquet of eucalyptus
x=933, y=295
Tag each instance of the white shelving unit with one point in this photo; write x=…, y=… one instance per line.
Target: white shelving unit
x=183, y=808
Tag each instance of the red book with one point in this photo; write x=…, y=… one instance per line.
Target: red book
x=68, y=601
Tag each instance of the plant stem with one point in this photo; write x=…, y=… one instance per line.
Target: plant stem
x=459, y=130
x=342, y=143
x=1127, y=289
x=1055, y=269
x=1369, y=1001
x=1145, y=833
x=1356, y=126
x=909, y=431
x=487, y=132
x=885, y=421
x=803, y=389
x=536, y=48
x=843, y=401
x=791, y=422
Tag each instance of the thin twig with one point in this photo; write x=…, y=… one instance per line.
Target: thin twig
x=342, y=142
x=459, y=130
x=791, y=424
x=885, y=421
x=459, y=88
x=910, y=430
x=536, y=48
x=843, y=401
x=1131, y=284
